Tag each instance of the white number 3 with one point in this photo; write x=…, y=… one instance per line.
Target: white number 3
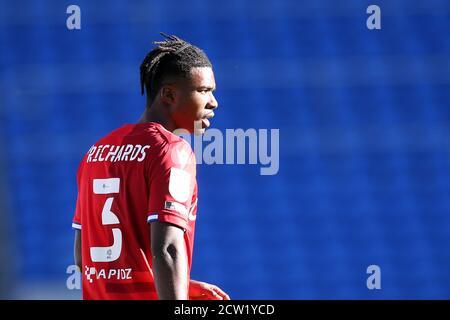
x=111, y=253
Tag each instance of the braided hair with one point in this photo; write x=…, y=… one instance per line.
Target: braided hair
x=171, y=57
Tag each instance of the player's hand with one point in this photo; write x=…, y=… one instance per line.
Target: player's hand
x=204, y=291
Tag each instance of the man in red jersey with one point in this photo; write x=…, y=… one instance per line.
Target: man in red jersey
x=137, y=188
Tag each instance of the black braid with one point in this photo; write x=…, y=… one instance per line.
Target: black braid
x=171, y=57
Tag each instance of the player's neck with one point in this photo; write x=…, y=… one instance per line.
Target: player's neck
x=155, y=114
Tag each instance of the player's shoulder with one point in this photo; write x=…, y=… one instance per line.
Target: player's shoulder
x=170, y=140
x=151, y=137
x=165, y=134
x=165, y=146
x=150, y=133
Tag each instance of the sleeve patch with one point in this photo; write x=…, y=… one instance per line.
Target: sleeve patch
x=179, y=184
x=178, y=207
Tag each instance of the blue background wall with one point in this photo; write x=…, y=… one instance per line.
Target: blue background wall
x=364, y=119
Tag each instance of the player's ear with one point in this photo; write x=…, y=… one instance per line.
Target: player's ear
x=168, y=94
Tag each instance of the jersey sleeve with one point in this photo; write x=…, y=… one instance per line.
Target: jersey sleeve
x=76, y=221
x=172, y=184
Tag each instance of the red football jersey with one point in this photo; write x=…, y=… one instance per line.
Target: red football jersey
x=137, y=174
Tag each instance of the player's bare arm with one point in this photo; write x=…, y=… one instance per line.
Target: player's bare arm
x=170, y=266
x=77, y=248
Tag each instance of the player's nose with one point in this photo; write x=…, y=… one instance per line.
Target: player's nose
x=213, y=104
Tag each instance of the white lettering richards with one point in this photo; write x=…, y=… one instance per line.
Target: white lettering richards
x=114, y=153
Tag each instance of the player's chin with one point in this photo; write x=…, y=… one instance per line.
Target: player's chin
x=199, y=132
x=200, y=126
